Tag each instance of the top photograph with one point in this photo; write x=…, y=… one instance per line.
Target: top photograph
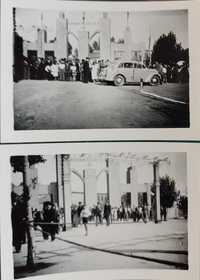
x=100, y=69
x=75, y=70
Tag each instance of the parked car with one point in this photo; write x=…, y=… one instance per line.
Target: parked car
x=124, y=72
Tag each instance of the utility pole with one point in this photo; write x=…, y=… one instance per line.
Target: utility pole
x=29, y=229
x=57, y=185
x=63, y=189
x=107, y=178
x=84, y=197
x=157, y=193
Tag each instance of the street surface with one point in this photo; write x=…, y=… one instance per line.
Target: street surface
x=148, y=240
x=75, y=105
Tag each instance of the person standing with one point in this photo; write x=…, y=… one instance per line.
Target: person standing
x=61, y=70
x=18, y=222
x=79, y=209
x=54, y=70
x=107, y=212
x=86, y=71
x=95, y=70
x=85, y=214
x=98, y=213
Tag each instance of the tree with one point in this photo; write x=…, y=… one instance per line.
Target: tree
x=167, y=191
x=166, y=50
x=22, y=164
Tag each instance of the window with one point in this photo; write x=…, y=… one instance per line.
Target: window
x=121, y=65
x=128, y=65
x=139, y=66
x=128, y=175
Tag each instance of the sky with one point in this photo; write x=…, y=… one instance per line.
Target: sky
x=142, y=24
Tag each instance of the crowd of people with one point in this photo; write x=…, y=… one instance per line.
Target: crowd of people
x=100, y=212
x=85, y=70
x=175, y=73
x=88, y=70
x=50, y=219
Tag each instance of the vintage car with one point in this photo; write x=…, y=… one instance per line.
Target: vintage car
x=124, y=72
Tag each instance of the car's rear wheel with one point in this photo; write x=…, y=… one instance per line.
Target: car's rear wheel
x=155, y=80
x=119, y=80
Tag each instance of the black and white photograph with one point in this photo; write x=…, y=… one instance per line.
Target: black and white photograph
x=82, y=69
x=85, y=212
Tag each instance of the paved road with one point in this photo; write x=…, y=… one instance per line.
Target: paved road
x=59, y=256
x=74, y=105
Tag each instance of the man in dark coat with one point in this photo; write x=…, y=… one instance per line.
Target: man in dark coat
x=86, y=71
x=79, y=209
x=51, y=218
x=97, y=213
x=107, y=212
x=18, y=223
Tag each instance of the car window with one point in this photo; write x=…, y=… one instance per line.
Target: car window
x=139, y=66
x=128, y=65
x=121, y=65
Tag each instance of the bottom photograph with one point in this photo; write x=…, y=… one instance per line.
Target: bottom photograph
x=81, y=212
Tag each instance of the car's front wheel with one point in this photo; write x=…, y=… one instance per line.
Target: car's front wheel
x=155, y=80
x=119, y=80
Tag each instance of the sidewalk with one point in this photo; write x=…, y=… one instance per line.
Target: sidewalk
x=136, y=239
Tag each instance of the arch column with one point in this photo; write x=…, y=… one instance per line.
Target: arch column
x=114, y=183
x=90, y=186
x=61, y=44
x=134, y=186
x=105, y=35
x=83, y=44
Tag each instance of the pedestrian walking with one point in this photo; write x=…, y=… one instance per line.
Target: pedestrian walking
x=85, y=214
x=98, y=214
x=79, y=209
x=107, y=213
x=74, y=215
x=51, y=220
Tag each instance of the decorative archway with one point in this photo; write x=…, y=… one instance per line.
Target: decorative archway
x=74, y=35
x=106, y=170
x=93, y=35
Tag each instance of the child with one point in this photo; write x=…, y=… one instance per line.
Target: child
x=85, y=213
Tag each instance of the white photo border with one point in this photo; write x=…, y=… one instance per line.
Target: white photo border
x=193, y=179
x=9, y=135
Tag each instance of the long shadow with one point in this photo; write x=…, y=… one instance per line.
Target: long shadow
x=23, y=271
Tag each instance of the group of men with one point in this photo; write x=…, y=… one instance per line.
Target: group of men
x=84, y=70
x=176, y=73
x=98, y=212
x=47, y=220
